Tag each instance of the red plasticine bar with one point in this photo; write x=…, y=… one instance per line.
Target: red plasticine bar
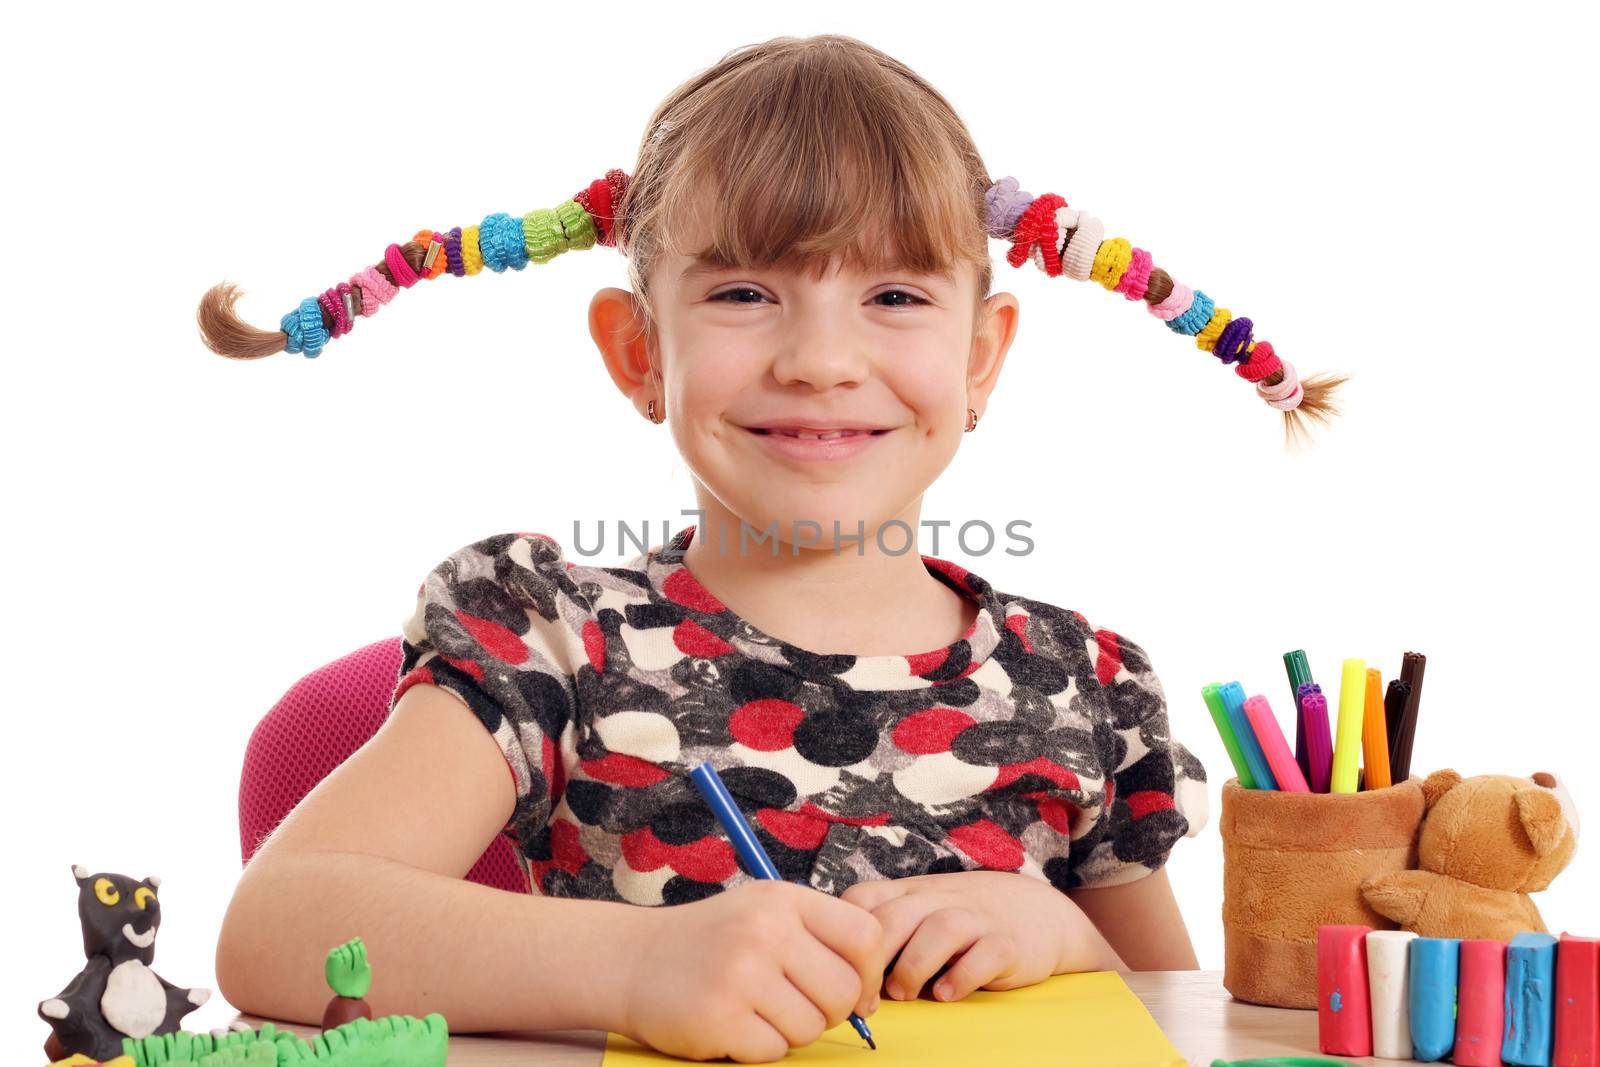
x=1577, y=1002
x=1344, y=1014
x=1480, y=1004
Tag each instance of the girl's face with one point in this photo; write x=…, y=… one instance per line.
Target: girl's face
x=749, y=362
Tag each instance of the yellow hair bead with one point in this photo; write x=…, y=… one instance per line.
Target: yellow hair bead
x=1111, y=262
x=1207, y=337
x=471, y=254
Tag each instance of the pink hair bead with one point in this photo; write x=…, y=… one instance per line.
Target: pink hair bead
x=404, y=276
x=376, y=290
x=1287, y=394
x=1136, y=279
x=1176, y=303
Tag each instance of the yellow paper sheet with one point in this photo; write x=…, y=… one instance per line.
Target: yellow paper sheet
x=1092, y=1020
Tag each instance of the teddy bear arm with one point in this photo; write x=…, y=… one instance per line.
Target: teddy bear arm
x=1401, y=896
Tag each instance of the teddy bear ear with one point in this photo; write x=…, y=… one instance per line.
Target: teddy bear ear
x=1542, y=818
x=1437, y=785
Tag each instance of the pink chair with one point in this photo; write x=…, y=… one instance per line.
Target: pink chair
x=318, y=723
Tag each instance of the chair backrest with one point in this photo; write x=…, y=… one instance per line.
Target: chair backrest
x=318, y=723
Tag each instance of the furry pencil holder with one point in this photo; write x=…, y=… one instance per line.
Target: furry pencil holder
x=1292, y=862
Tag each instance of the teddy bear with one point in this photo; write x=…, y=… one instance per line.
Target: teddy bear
x=1485, y=843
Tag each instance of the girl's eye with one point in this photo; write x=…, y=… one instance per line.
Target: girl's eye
x=727, y=294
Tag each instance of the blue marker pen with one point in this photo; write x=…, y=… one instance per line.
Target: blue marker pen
x=748, y=845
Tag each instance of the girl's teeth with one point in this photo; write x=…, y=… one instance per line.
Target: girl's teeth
x=821, y=437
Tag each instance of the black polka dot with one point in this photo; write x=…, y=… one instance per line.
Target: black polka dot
x=835, y=738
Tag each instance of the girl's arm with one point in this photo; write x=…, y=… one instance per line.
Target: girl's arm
x=379, y=849
x=1142, y=922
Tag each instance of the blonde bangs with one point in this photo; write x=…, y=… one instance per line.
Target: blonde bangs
x=805, y=153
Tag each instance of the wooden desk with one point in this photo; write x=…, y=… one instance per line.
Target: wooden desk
x=1197, y=1014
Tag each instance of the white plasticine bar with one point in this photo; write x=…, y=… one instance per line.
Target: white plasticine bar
x=1387, y=967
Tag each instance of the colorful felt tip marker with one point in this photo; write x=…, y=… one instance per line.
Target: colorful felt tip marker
x=1212, y=695
x=1375, y=734
x=1352, y=716
x=1319, y=738
x=748, y=846
x=1233, y=699
x=1274, y=746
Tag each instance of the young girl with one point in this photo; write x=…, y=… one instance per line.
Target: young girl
x=981, y=784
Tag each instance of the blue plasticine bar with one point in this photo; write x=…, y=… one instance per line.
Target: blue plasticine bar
x=1435, y=963
x=1530, y=1000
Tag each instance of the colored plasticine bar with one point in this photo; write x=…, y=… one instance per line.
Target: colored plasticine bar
x=1577, y=1022
x=1230, y=740
x=1273, y=745
x=1344, y=1019
x=1347, y=737
x=1435, y=962
x=1530, y=1000
x=1319, y=739
x=1480, y=1004
x=1386, y=979
x=1233, y=699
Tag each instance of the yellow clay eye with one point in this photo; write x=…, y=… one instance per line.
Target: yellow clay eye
x=143, y=896
x=106, y=892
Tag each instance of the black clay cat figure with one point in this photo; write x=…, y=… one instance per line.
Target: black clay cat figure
x=116, y=995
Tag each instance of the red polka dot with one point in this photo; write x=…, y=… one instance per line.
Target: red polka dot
x=1040, y=766
x=765, y=725
x=1018, y=624
x=709, y=859
x=988, y=845
x=565, y=850
x=1147, y=801
x=1111, y=791
x=681, y=587
x=1055, y=813
x=621, y=769
x=793, y=828
x=465, y=666
x=931, y=731
x=693, y=639
x=949, y=570
x=1109, y=662
x=496, y=640
x=594, y=645
x=924, y=663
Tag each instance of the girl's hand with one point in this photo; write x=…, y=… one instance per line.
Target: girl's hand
x=1007, y=929
x=750, y=972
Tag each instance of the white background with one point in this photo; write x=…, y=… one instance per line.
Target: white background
x=1403, y=192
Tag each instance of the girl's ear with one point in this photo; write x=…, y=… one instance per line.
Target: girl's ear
x=617, y=325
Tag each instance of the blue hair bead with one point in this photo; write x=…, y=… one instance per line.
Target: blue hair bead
x=304, y=328
x=500, y=238
x=1194, y=320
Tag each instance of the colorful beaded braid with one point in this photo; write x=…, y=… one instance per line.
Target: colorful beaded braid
x=1061, y=240
x=586, y=219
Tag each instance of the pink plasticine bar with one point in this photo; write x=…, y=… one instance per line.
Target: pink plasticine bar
x=1577, y=1026
x=1480, y=1004
x=1276, y=747
x=1344, y=1011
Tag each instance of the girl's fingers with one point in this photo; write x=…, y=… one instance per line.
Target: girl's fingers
x=944, y=934
x=989, y=958
x=754, y=1040
x=900, y=918
x=853, y=934
x=790, y=1012
x=829, y=982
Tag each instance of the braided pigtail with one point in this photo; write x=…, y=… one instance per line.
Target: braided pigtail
x=588, y=218
x=1062, y=240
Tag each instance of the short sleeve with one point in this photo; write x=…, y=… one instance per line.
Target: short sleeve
x=1155, y=788
x=489, y=627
